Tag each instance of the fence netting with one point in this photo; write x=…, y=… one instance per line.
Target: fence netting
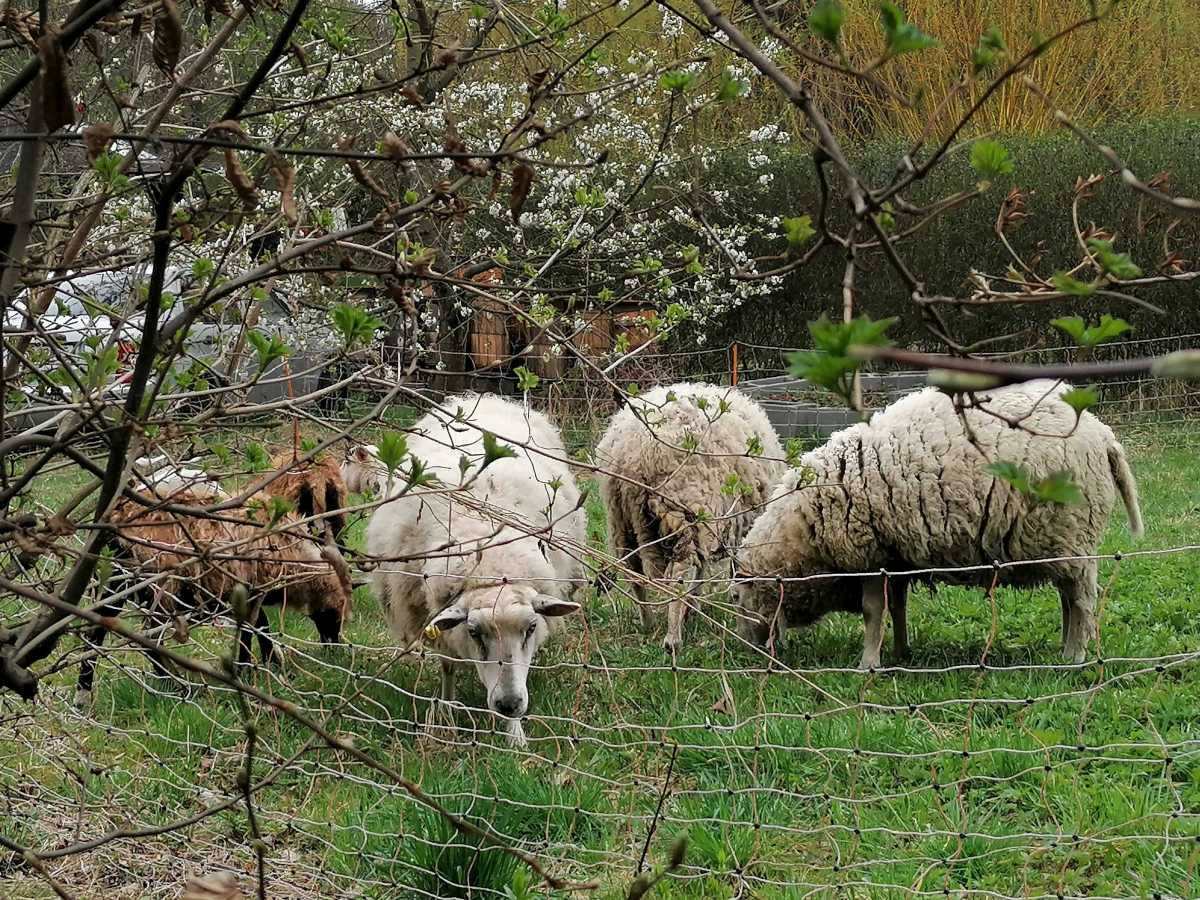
x=982, y=766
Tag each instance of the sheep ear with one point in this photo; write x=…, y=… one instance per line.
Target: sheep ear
x=450, y=617
x=545, y=605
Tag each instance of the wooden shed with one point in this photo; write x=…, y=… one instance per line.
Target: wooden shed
x=596, y=338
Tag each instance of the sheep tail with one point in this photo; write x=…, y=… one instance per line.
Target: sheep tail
x=1124, y=480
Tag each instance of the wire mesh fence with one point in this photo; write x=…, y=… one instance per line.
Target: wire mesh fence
x=984, y=765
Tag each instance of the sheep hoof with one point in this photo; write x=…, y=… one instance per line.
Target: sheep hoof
x=1074, y=656
x=672, y=644
x=868, y=663
x=82, y=700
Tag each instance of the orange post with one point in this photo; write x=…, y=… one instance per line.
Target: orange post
x=733, y=364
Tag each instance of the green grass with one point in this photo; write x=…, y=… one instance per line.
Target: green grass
x=1083, y=783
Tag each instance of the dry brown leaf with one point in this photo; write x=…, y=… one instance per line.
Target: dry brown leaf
x=232, y=125
x=1085, y=188
x=285, y=176
x=168, y=37
x=395, y=148
x=1012, y=210
x=58, y=109
x=410, y=94
x=22, y=23
x=522, y=181
x=96, y=139
x=401, y=297
x=217, y=886
x=301, y=57
x=240, y=180
x=464, y=164
x=537, y=79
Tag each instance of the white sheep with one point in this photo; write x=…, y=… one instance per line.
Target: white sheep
x=496, y=549
x=911, y=490
x=684, y=471
x=362, y=470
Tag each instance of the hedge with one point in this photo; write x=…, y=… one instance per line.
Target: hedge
x=945, y=252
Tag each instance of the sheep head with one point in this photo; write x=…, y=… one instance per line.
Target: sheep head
x=499, y=628
x=360, y=468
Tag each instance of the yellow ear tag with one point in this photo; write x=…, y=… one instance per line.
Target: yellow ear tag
x=432, y=632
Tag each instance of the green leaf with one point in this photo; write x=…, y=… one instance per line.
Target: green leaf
x=885, y=219
x=1081, y=398
x=277, y=508
x=308, y=445
x=731, y=88
x=203, y=268
x=1059, y=487
x=353, y=324
x=257, y=458
x=1118, y=265
x=734, y=485
x=826, y=20
x=754, y=445
x=410, y=196
x=393, y=447
x=677, y=81
x=990, y=159
x=1070, y=285
x=902, y=36
x=268, y=349
x=990, y=47
x=493, y=450
x=1015, y=474
x=526, y=380
x=798, y=230
x=1090, y=336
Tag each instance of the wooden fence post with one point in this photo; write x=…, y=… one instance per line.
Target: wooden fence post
x=733, y=364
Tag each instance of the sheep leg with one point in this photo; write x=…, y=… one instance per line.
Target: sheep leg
x=447, y=693
x=245, y=636
x=87, y=669
x=873, y=609
x=266, y=647
x=1078, y=591
x=329, y=625
x=898, y=604
x=685, y=574
x=633, y=559
x=439, y=720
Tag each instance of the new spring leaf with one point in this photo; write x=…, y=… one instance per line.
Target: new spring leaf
x=393, y=447
x=356, y=326
x=990, y=159
x=826, y=20
x=902, y=36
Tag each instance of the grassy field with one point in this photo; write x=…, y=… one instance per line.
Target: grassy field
x=1019, y=780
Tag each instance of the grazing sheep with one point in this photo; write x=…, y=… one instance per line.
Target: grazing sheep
x=461, y=553
x=668, y=457
x=201, y=559
x=362, y=471
x=910, y=490
x=314, y=488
